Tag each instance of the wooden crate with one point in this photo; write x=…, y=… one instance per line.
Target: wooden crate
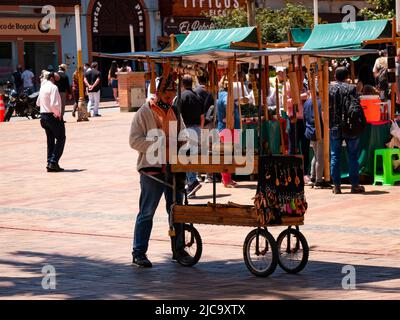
x=244, y=216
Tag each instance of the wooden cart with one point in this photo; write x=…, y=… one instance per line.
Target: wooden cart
x=262, y=253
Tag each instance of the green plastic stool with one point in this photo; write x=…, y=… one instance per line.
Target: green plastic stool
x=388, y=178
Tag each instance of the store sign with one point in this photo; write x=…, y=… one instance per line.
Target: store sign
x=193, y=8
x=26, y=26
x=98, y=10
x=184, y=25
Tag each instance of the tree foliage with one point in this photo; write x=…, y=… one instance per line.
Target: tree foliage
x=380, y=9
x=274, y=24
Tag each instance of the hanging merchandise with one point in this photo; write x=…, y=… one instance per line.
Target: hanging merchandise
x=280, y=190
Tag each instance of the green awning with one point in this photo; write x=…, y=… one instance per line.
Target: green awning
x=206, y=40
x=347, y=35
x=300, y=35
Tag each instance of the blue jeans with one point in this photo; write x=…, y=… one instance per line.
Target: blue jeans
x=55, y=132
x=151, y=193
x=192, y=176
x=353, y=152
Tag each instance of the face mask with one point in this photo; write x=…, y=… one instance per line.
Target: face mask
x=163, y=105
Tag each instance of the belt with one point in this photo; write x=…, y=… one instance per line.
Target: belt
x=47, y=113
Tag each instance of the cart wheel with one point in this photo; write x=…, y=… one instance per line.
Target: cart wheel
x=261, y=262
x=293, y=251
x=193, y=246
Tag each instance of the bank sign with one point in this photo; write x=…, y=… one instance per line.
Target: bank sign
x=193, y=8
x=25, y=26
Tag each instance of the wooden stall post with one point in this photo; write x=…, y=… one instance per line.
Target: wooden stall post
x=239, y=92
x=230, y=119
x=216, y=89
x=353, y=72
x=278, y=116
x=325, y=113
x=394, y=85
x=311, y=82
x=265, y=88
x=285, y=92
x=172, y=42
x=152, y=67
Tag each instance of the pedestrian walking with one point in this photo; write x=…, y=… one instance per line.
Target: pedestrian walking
x=340, y=98
x=51, y=121
x=17, y=79
x=226, y=134
x=113, y=79
x=93, y=82
x=317, y=163
x=28, y=80
x=64, y=87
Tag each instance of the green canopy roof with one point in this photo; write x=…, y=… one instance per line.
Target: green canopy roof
x=346, y=35
x=300, y=35
x=206, y=40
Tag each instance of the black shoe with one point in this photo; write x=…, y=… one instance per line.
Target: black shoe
x=337, y=190
x=357, y=189
x=141, y=261
x=182, y=256
x=322, y=185
x=193, y=188
x=74, y=113
x=54, y=167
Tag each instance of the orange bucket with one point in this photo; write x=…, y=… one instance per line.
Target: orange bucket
x=372, y=107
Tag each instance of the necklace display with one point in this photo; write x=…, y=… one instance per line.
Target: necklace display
x=280, y=190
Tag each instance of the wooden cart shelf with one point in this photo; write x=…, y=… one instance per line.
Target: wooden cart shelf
x=244, y=216
x=215, y=164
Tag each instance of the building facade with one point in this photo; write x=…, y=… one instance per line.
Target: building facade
x=181, y=16
x=36, y=36
x=25, y=40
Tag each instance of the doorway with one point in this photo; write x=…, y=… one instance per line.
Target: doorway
x=40, y=56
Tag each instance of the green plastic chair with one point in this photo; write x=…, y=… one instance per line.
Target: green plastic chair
x=387, y=178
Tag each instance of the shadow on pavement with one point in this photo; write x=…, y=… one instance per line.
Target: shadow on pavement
x=374, y=193
x=205, y=197
x=73, y=170
x=80, y=277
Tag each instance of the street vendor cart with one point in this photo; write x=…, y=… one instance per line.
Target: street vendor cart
x=279, y=200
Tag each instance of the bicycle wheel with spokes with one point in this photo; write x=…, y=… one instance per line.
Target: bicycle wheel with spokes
x=193, y=246
x=293, y=251
x=260, y=253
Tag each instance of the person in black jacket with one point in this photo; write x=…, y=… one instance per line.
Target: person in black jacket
x=193, y=115
x=338, y=99
x=64, y=86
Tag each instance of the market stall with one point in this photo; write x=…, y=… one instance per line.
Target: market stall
x=280, y=199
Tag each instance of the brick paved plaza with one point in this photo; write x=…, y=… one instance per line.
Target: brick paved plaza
x=81, y=222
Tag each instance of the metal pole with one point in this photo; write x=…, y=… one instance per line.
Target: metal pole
x=132, y=35
x=82, y=113
x=316, y=18
x=398, y=15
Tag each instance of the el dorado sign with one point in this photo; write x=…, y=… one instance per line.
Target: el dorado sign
x=196, y=8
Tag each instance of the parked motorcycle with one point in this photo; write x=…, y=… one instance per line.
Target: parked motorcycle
x=24, y=105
